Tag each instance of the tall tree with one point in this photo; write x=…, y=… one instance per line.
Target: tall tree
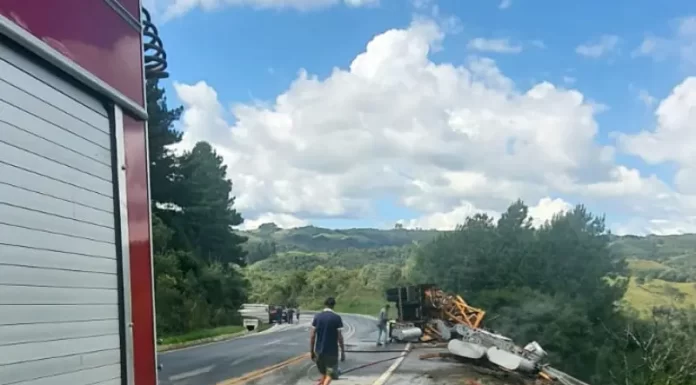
x=578, y=261
x=516, y=254
x=161, y=134
x=460, y=261
x=207, y=215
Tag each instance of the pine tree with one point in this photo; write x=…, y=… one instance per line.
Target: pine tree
x=161, y=134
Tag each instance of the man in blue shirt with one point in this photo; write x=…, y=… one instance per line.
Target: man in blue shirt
x=325, y=340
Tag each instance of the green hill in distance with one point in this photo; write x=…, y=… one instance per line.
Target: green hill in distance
x=311, y=238
x=674, y=251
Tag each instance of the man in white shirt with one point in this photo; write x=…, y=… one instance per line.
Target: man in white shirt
x=383, y=319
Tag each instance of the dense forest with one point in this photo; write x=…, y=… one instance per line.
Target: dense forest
x=582, y=293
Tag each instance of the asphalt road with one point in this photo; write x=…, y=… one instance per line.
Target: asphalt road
x=212, y=363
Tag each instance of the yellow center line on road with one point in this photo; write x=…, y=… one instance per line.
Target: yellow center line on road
x=386, y=375
x=264, y=371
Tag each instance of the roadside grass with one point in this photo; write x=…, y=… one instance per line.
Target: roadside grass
x=364, y=302
x=643, y=265
x=366, y=305
x=201, y=334
x=204, y=335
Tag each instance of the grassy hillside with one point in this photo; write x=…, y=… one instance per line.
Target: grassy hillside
x=655, y=293
x=663, y=267
x=670, y=258
x=312, y=238
x=656, y=247
x=346, y=258
x=645, y=266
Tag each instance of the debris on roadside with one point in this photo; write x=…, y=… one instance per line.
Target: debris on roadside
x=427, y=314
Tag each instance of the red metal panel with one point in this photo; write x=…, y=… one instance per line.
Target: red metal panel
x=142, y=306
x=88, y=32
x=132, y=6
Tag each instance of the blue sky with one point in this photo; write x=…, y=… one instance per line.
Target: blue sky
x=250, y=55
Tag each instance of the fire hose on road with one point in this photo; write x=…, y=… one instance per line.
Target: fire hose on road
x=339, y=372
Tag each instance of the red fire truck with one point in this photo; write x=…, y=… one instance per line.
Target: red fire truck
x=76, y=285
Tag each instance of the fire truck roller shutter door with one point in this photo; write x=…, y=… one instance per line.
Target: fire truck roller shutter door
x=60, y=291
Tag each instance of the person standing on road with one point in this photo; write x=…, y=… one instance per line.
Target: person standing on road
x=326, y=338
x=298, y=314
x=290, y=315
x=382, y=325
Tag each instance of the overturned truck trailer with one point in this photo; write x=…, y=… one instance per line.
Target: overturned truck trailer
x=76, y=286
x=426, y=314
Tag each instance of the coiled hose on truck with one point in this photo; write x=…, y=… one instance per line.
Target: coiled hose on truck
x=154, y=55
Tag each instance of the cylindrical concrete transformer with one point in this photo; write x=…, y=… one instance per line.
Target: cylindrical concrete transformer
x=510, y=361
x=407, y=334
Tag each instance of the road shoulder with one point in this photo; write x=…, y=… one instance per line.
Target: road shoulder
x=169, y=348
x=202, y=341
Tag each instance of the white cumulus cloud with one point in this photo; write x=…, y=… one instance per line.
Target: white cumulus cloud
x=494, y=45
x=647, y=99
x=681, y=44
x=600, y=47
x=675, y=135
x=446, y=220
x=674, y=138
x=542, y=212
x=285, y=221
x=361, y=3
x=441, y=139
x=546, y=208
x=176, y=8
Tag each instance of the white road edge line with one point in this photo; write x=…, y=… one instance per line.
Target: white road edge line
x=274, y=342
x=386, y=375
x=192, y=373
x=243, y=359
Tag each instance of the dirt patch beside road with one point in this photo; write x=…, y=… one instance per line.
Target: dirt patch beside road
x=471, y=375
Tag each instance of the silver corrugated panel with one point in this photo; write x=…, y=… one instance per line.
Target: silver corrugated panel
x=59, y=304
